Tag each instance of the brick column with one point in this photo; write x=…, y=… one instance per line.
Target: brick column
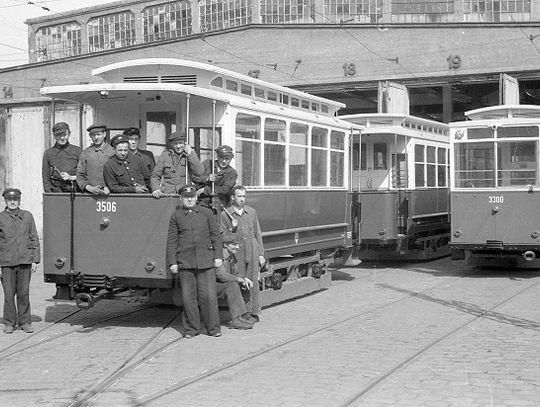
x=386, y=11
x=318, y=6
x=195, y=17
x=256, y=11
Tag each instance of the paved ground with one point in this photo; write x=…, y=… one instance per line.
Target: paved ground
x=426, y=334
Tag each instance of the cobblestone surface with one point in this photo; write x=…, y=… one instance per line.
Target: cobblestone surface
x=424, y=334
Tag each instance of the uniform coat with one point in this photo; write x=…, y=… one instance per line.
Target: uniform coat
x=90, y=167
x=57, y=159
x=225, y=182
x=169, y=174
x=121, y=175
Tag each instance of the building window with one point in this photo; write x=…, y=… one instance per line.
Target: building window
x=487, y=11
x=221, y=14
x=111, y=31
x=357, y=11
x=287, y=11
x=427, y=11
x=58, y=41
x=163, y=21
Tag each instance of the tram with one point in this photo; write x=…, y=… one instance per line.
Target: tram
x=494, y=186
x=290, y=153
x=399, y=179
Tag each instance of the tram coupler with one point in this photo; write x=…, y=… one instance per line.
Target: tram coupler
x=87, y=300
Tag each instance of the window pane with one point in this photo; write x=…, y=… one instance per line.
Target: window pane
x=274, y=164
x=441, y=155
x=337, y=140
x=441, y=175
x=259, y=92
x=299, y=133
x=484, y=132
x=431, y=175
x=524, y=131
x=319, y=137
x=419, y=175
x=272, y=96
x=516, y=163
x=247, y=162
x=337, y=169
x=318, y=167
x=275, y=130
x=430, y=154
x=363, y=157
x=379, y=156
x=231, y=85
x=217, y=82
x=248, y=126
x=298, y=166
x=245, y=89
x=475, y=165
x=419, y=154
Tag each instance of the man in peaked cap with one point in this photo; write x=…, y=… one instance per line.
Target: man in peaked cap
x=194, y=252
x=224, y=178
x=59, y=169
x=19, y=256
x=134, y=136
x=93, y=158
x=125, y=172
x=169, y=174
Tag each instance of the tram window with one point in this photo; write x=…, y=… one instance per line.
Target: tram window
x=202, y=141
x=337, y=140
x=521, y=131
x=274, y=164
x=355, y=156
x=324, y=108
x=363, y=157
x=247, y=158
x=231, y=85
x=399, y=171
x=419, y=166
x=285, y=99
x=319, y=137
x=441, y=167
x=431, y=167
x=275, y=130
x=298, y=159
x=295, y=102
x=248, y=126
x=159, y=125
x=474, y=165
x=259, y=93
x=379, y=156
x=318, y=167
x=482, y=132
x=305, y=104
x=217, y=82
x=337, y=169
x=245, y=89
x=516, y=163
x=298, y=133
x=315, y=107
x=272, y=96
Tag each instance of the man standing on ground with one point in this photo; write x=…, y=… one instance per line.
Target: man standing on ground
x=19, y=256
x=242, y=220
x=60, y=161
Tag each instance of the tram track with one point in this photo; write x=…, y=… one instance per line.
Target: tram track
x=4, y=354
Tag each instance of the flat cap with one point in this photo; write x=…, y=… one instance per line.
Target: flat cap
x=229, y=238
x=188, y=190
x=12, y=193
x=60, y=127
x=174, y=136
x=224, y=151
x=132, y=131
x=96, y=127
x=119, y=138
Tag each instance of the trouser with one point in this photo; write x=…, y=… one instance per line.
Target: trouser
x=16, y=282
x=199, y=291
x=231, y=292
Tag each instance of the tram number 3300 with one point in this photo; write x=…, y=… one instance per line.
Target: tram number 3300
x=106, y=206
x=495, y=199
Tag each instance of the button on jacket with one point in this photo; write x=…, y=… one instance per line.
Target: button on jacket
x=57, y=159
x=122, y=175
x=169, y=174
x=90, y=168
x=19, y=241
x=193, y=240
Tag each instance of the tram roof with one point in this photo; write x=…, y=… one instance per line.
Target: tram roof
x=91, y=93
x=174, y=69
x=504, y=112
x=380, y=122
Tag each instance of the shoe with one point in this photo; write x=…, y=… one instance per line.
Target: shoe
x=217, y=335
x=252, y=319
x=27, y=328
x=189, y=336
x=9, y=329
x=255, y=317
x=239, y=323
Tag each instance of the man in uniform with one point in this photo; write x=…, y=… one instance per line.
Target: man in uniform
x=194, y=252
x=134, y=136
x=242, y=220
x=125, y=172
x=19, y=256
x=59, y=169
x=169, y=174
x=223, y=177
x=93, y=158
x=229, y=284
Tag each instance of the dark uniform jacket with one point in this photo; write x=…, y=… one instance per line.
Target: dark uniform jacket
x=169, y=174
x=57, y=159
x=147, y=157
x=122, y=175
x=19, y=241
x=226, y=180
x=193, y=241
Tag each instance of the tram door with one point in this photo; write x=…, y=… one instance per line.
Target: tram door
x=157, y=123
x=374, y=164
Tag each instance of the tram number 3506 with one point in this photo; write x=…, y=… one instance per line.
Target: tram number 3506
x=106, y=206
x=495, y=199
